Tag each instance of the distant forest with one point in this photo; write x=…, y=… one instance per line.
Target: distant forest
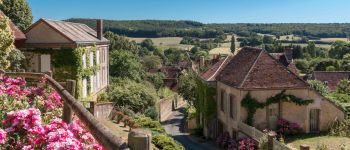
x=166, y=28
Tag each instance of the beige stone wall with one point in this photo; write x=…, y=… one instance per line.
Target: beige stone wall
x=32, y=63
x=36, y=35
x=289, y=111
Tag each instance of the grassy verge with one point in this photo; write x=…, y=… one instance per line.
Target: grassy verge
x=314, y=140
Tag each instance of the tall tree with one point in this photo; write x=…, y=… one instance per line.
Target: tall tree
x=233, y=44
x=18, y=11
x=6, y=42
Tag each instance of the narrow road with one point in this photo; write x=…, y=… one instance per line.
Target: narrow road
x=174, y=126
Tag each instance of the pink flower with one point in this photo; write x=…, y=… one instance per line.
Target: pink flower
x=2, y=136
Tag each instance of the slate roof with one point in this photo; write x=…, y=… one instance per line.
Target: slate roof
x=19, y=35
x=211, y=73
x=254, y=68
x=332, y=78
x=75, y=32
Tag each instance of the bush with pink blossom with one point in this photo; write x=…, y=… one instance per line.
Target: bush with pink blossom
x=285, y=127
x=247, y=144
x=30, y=119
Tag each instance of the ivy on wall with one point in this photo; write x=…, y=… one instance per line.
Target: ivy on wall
x=251, y=104
x=68, y=64
x=87, y=71
x=205, y=103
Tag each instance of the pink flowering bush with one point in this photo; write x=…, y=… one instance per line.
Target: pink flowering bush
x=225, y=141
x=285, y=127
x=247, y=144
x=29, y=116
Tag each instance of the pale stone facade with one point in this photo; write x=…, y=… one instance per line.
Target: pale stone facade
x=59, y=35
x=329, y=112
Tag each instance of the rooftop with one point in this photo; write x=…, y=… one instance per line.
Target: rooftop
x=332, y=78
x=75, y=32
x=254, y=68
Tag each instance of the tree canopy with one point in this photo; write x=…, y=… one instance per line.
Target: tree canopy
x=6, y=42
x=18, y=11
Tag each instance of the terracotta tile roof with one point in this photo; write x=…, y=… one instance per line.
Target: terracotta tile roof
x=282, y=58
x=19, y=35
x=185, y=64
x=254, y=68
x=332, y=78
x=75, y=32
x=212, y=72
x=171, y=71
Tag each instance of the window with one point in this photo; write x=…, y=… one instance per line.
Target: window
x=84, y=87
x=92, y=88
x=222, y=100
x=232, y=106
x=84, y=61
x=97, y=57
x=91, y=59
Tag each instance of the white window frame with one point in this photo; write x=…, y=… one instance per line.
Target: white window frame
x=84, y=92
x=91, y=59
x=84, y=61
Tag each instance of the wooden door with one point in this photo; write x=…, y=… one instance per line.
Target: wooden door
x=273, y=114
x=314, y=120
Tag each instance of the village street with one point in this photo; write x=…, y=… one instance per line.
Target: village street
x=175, y=126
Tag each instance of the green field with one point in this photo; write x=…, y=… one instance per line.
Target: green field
x=334, y=39
x=165, y=42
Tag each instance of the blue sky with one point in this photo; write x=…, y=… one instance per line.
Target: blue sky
x=206, y=11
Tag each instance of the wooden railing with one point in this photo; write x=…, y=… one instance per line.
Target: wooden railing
x=101, y=133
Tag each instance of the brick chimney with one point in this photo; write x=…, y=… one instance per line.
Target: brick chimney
x=99, y=26
x=288, y=52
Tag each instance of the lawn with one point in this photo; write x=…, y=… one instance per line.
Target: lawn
x=332, y=142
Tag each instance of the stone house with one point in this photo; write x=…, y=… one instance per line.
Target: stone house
x=331, y=78
x=69, y=51
x=262, y=75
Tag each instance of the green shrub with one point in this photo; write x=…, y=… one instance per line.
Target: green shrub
x=152, y=113
x=147, y=122
x=103, y=97
x=165, y=92
x=340, y=128
x=163, y=141
x=135, y=96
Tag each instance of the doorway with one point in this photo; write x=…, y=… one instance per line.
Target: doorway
x=314, y=120
x=273, y=115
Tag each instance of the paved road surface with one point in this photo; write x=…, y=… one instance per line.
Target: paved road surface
x=174, y=126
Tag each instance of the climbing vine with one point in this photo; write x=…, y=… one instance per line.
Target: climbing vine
x=87, y=71
x=252, y=104
x=205, y=100
x=68, y=64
